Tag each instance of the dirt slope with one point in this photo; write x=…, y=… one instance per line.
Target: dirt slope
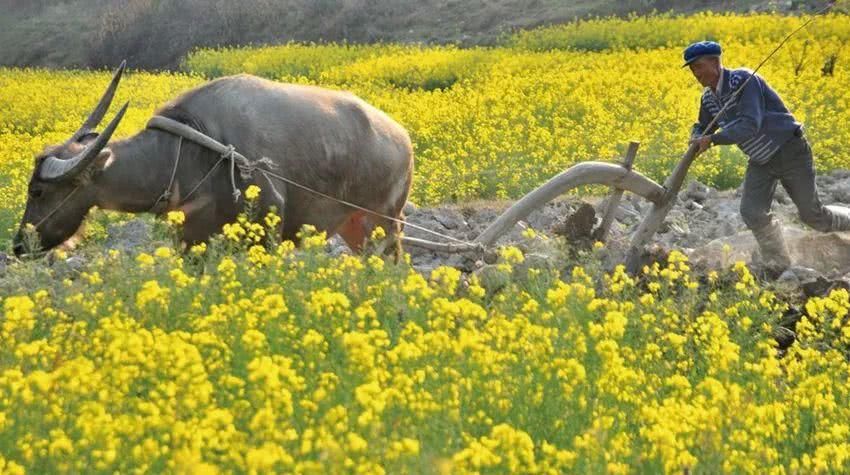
x=156, y=34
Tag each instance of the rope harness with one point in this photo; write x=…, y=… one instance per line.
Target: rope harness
x=248, y=167
x=57, y=208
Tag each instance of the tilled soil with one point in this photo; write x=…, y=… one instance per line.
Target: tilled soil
x=705, y=223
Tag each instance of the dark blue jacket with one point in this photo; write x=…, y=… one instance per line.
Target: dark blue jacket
x=757, y=121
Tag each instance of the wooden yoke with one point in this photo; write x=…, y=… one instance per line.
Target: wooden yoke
x=650, y=224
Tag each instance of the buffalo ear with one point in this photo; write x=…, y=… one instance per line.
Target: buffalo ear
x=88, y=137
x=101, y=162
x=103, y=159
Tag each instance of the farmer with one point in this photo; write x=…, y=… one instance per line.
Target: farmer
x=762, y=127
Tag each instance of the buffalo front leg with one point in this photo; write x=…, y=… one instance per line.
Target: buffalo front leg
x=202, y=223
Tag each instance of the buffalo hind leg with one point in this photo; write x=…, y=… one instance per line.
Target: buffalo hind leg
x=357, y=229
x=354, y=231
x=392, y=243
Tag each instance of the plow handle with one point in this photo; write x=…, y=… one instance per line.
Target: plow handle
x=650, y=224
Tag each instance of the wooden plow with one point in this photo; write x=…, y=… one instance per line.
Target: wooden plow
x=619, y=176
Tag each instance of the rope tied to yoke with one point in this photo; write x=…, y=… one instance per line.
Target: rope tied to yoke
x=226, y=152
x=166, y=194
x=246, y=169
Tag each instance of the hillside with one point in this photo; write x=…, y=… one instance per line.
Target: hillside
x=156, y=34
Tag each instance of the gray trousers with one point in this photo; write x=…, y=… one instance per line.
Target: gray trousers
x=794, y=167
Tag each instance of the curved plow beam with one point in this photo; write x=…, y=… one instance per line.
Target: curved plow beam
x=448, y=247
x=585, y=173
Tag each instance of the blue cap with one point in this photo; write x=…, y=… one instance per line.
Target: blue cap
x=700, y=49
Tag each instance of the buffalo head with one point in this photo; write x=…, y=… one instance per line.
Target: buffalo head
x=58, y=198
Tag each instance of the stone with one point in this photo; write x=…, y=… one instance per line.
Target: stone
x=578, y=225
x=784, y=337
x=781, y=196
x=337, y=246
x=822, y=287
x=409, y=208
x=697, y=192
x=626, y=213
x=450, y=220
x=841, y=192
x=826, y=253
x=787, y=282
x=491, y=278
x=70, y=266
x=128, y=236
x=693, y=205
x=534, y=261
x=491, y=256
x=804, y=274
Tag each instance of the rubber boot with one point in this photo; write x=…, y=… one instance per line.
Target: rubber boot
x=840, y=218
x=774, y=252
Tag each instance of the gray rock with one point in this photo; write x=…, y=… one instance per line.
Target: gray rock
x=410, y=208
x=534, y=261
x=450, y=220
x=788, y=280
x=626, y=212
x=841, y=192
x=76, y=263
x=825, y=180
x=727, y=227
x=823, y=286
x=337, y=246
x=827, y=253
x=781, y=196
x=461, y=261
x=491, y=278
x=696, y=191
x=425, y=270
x=693, y=205
x=740, y=190
x=491, y=256
x=637, y=203
x=723, y=252
x=803, y=274
x=70, y=267
x=796, y=276
x=127, y=236
x=578, y=225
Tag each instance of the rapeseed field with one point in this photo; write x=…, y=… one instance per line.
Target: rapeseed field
x=250, y=355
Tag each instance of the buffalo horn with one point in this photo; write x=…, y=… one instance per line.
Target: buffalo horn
x=97, y=114
x=55, y=169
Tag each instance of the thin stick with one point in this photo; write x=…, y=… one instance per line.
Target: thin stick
x=616, y=195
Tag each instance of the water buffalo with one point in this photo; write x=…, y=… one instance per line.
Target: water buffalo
x=330, y=141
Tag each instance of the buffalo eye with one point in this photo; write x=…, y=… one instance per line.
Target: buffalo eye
x=36, y=193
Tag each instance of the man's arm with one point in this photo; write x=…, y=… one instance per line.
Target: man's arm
x=751, y=107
